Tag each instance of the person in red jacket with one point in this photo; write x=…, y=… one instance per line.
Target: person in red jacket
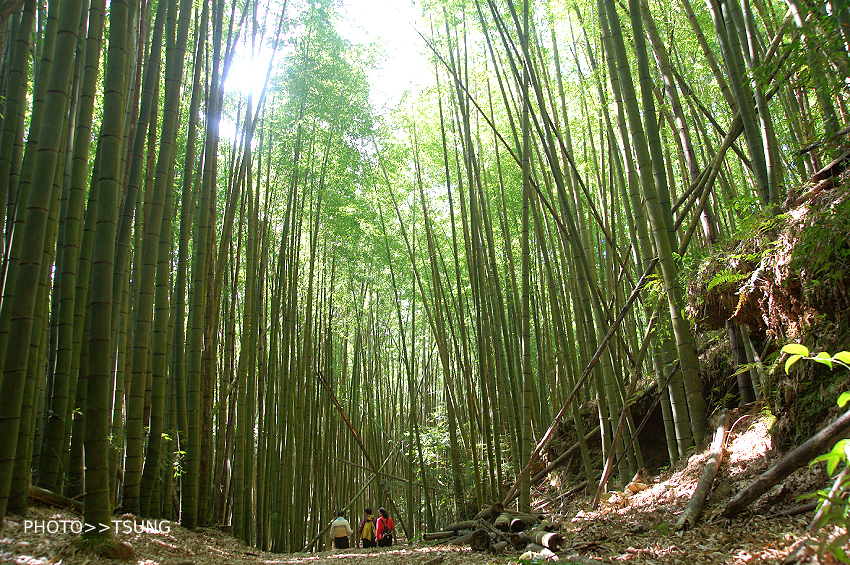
x=385, y=528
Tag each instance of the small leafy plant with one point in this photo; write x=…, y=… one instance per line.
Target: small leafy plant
x=796, y=352
x=834, y=507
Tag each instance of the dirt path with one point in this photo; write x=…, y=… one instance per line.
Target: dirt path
x=21, y=544
x=635, y=529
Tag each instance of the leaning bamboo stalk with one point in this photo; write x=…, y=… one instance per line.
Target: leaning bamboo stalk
x=821, y=517
x=374, y=475
x=547, y=437
x=359, y=443
x=608, y=469
x=694, y=508
x=562, y=457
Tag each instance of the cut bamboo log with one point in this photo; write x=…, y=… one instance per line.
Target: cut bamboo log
x=480, y=540
x=788, y=464
x=520, y=540
x=467, y=525
x=490, y=512
x=547, y=525
x=503, y=521
x=519, y=522
x=438, y=535
x=552, y=540
x=462, y=540
x=712, y=464
x=498, y=548
x=487, y=525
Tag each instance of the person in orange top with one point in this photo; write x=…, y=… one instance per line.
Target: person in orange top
x=385, y=527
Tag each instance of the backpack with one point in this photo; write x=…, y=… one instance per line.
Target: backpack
x=368, y=529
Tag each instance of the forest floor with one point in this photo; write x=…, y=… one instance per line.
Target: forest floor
x=637, y=529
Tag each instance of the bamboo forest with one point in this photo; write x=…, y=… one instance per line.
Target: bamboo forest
x=248, y=288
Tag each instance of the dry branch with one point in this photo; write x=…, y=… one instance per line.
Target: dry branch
x=796, y=510
x=788, y=464
x=712, y=464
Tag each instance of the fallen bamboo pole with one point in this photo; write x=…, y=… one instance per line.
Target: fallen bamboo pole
x=788, y=464
x=50, y=497
x=694, y=508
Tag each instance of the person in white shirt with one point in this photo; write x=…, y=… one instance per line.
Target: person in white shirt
x=340, y=530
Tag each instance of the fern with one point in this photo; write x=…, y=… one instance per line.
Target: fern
x=726, y=277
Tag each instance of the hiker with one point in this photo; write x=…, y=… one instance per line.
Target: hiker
x=366, y=532
x=385, y=528
x=340, y=530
